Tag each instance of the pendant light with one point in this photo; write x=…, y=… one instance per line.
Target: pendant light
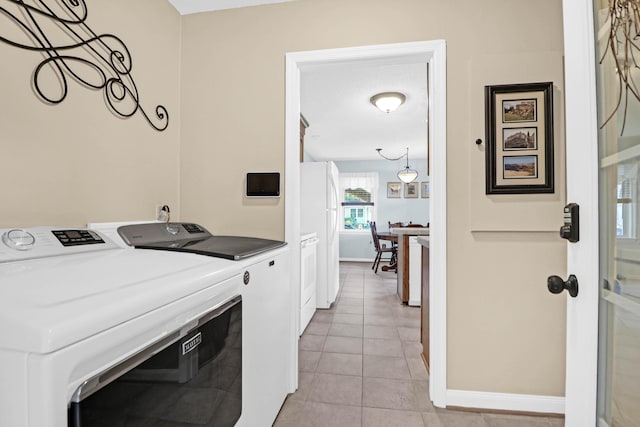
x=405, y=175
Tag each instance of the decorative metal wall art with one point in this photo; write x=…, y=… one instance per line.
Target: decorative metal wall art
x=623, y=23
x=74, y=52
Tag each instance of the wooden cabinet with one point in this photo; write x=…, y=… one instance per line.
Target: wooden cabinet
x=424, y=306
x=403, y=268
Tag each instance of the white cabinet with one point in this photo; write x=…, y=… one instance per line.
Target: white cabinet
x=415, y=270
x=408, y=277
x=308, y=278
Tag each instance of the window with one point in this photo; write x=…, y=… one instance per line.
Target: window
x=358, y=192
x=626, y=204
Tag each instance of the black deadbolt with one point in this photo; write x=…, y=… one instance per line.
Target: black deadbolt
x=556, y=285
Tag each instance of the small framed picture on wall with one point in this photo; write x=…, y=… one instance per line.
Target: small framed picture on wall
x=393, y=190
x=424, y=189
x=411, y=190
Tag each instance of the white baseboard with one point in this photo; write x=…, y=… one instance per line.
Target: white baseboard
x=357, y=260
x=602, y=422
x=505, y=401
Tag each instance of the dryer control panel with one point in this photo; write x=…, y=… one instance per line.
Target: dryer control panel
x=42, y=242
x=154, y=232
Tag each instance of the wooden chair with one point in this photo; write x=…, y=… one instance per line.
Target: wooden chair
x=380, y=248
x=416, y=225
x=394, y=224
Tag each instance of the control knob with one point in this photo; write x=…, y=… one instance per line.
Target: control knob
x=19, y=239
x=172, y=228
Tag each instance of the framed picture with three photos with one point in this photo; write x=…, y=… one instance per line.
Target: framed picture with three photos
x=519, y=138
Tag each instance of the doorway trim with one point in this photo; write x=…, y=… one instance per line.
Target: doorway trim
x=431, y=52
x=581, y=124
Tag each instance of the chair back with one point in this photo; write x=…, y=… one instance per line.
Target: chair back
x=374, y=235
x=394, y=224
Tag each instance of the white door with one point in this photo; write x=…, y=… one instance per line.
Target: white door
x=603, y=320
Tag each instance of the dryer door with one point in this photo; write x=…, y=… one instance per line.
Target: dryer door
x=192, y=377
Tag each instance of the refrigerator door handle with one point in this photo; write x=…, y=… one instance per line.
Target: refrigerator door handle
x=334, y=193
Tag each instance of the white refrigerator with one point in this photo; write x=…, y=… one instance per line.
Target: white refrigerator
x=320, y=210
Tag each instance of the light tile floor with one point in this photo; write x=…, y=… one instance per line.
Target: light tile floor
x=360, y=365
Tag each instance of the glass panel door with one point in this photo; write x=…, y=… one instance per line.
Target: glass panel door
x=619, y=154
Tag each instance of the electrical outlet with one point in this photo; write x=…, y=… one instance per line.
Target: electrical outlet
x=162, y=212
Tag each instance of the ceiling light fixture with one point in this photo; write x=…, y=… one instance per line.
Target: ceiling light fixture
x=405, y=175
x=388, y=101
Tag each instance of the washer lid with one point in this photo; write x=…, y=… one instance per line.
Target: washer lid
x=193, y=238
x=228, y=247
x=50, y=303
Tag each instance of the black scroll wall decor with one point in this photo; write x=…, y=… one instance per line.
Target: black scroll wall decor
x=72, y=51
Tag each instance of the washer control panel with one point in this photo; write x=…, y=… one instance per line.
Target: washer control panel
x=77, y=237
x=18, y=239
x=41, y=242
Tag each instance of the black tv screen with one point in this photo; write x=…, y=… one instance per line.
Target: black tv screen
x=263, y=184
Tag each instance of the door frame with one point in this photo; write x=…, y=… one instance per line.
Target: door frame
x=581, y=121
x=433, y=53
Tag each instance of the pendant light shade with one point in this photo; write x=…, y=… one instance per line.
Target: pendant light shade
x=405, y=175
x=388, y=101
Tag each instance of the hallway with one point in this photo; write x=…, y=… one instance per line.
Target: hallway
x=360, y=365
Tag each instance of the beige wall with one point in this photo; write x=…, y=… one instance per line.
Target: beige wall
x=506, y=332
x=75, y=162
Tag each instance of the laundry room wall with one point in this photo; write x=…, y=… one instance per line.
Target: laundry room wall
x=505, y=332
x=69, y=163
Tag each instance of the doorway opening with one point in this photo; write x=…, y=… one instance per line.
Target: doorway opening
x=432, y=53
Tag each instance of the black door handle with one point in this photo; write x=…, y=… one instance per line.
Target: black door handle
x=557, y=285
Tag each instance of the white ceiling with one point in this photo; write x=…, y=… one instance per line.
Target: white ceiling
x=186, y=7
x=344, y=125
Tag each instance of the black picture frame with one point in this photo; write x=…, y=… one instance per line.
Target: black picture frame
x=524, y=114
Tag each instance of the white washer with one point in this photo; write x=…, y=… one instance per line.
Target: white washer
x=69, y=313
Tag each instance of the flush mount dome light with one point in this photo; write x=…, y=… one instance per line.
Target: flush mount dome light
x=388, y=101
